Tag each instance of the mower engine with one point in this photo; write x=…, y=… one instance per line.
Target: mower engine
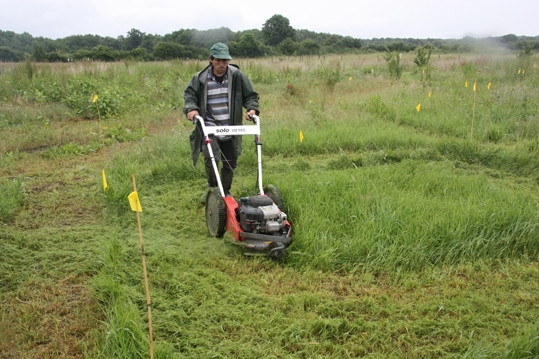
x=258, y=214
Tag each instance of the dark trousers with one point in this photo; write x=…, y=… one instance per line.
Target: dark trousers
x=223, y=152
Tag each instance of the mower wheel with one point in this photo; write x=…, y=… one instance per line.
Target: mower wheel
x=215, y=213
x=273, y=192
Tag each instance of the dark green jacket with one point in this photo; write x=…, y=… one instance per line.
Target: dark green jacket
x=240, y=94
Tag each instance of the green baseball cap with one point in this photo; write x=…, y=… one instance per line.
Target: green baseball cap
x=220, y=51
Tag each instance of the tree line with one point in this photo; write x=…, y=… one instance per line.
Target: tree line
x=276, y=38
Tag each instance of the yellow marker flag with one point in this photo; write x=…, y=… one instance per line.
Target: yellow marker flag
x=350, y=79
x=300, y=136
x=95, y=98
x=418, y=107
x=489, y=85
x=430, y=94
x=466, y=84
x=474, y=86
x=134, y=202
x=105, y=185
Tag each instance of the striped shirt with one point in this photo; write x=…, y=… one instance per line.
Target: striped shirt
x=217, y=106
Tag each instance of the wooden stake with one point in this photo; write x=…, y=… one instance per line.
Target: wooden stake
x=473, y=110
x=148, y=301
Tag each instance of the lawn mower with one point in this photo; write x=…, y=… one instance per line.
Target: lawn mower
x=257, y=223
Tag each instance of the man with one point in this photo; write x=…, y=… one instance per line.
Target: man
x=217, y=94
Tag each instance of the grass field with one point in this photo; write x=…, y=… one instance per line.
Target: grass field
x=414, y=204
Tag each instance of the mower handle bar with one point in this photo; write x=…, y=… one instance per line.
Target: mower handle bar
x=239, y=130
x=255, y=118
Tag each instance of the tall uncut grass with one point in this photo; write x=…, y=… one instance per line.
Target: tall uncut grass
x=408, y=217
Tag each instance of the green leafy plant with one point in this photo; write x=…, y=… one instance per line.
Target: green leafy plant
x=120, y=133
x=394, y=67
x=330, y=76
x=422, y=61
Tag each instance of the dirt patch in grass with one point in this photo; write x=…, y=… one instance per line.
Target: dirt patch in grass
x=49, y=319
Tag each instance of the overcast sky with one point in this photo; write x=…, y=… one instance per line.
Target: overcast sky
x=359, y=19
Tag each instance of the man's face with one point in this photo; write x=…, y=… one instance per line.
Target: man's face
x=219, y=66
